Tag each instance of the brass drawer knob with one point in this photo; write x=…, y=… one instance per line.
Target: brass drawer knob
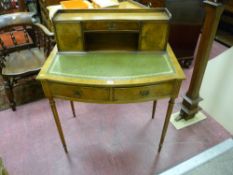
x=77, y=94
x=144, y=93
x=112, y=26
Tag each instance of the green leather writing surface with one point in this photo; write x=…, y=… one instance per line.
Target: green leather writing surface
x=111, y=65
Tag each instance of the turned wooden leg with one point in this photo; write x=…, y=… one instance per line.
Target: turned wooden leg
x=8, y=85
x=154, y=108
x=72, y=107
x=166, y=122
x=58, y=123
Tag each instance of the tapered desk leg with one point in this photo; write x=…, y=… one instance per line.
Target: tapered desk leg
x=58, y=123
x=166, y=122
x=72, y=107
x=154, y=108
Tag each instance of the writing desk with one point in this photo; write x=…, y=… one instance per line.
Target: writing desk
x=111, y=77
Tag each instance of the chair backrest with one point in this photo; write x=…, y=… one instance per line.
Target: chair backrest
x=12, y=6
x=18, y=31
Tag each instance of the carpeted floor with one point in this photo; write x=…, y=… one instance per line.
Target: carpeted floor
x=108, y=139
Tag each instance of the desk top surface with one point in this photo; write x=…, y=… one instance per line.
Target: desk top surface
x=110, y=68
x=113, y=65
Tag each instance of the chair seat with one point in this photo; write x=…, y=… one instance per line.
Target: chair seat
x=21, y=62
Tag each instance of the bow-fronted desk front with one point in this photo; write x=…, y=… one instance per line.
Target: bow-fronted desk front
x=111, y=77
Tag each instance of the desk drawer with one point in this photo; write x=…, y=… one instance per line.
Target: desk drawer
x=111, y=25
x=143, y=93
x=79, y=92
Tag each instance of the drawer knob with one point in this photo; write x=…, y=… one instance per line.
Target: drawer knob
x=111, y=26
x=77, y=94
x=144, y=93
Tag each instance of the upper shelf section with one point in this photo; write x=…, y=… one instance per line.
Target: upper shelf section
x=112, y=14
x=112, y=29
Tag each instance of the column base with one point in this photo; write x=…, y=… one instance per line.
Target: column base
x=189, y=108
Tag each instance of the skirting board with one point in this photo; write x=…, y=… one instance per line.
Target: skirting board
x=200, y=159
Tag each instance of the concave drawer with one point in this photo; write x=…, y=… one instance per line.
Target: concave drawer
x=100, y=25
x=79, y=92
x=143, y=93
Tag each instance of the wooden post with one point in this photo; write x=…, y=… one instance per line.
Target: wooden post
x=191, y=100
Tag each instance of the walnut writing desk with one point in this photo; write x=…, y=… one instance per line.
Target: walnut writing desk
x=111, y=76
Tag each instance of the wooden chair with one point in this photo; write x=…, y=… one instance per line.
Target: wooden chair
x=24, y=46
x=45, y=19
